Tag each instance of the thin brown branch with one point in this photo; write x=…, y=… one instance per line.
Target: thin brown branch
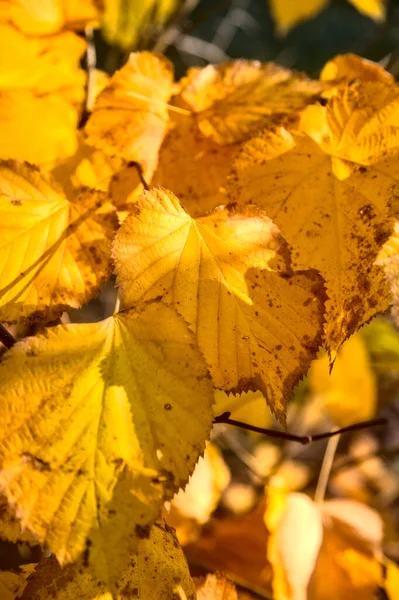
x=307, y=439
x=139, y=170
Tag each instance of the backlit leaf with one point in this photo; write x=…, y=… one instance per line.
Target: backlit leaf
x=333, y=225
x=159, y=571
x=347, y=67
x=388, y=259
x=99, y=424
x=288, y=13
x=12, y=583
x=258, y=329
x=349, y=392
x=130, y=115
x=235, y=99
x=216, y=587
x=54, y=253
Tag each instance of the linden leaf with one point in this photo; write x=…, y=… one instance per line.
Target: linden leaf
x=334, y=226
x=216, y=587
x=42, y=64
x=235, y=99
x=159, y=571
x=349, y=392
x=130, y=115
x=388, y=259
x=184, y=159
x=10, y=526
x=44, y=17
x=347, y=67
x=125, y=22
x=359, y=125
x=372, y=8
x=100, y=423
x=257, y=328
x=13, y=583
x=55, y=254
x=248, y=407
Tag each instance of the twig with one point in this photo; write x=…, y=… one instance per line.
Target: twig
x=326, y=468
x=140, y=173
x=302, y=439
x=6, y=338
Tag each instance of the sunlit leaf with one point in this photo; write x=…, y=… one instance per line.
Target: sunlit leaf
x=258, y=329
x=159, y=570
x=54, y=253
x=347, y=67
x=92, y=419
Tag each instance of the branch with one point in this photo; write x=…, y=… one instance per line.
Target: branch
x=139, y=170
x=307, y=439
x=6, y=338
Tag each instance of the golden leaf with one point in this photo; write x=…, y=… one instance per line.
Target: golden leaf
x=258, y=329
x=347, y=67
x=388, y=259
x=125, y=22
x=234, y=100
x=44, y=17
x=349, y=392
x=289, y=13
x=13, y=583
x=130, y=115
x=216, y=587
x=158, y=571
x=248, y=407
x=10, y=526
x=335, y=226
x=55, y=253
x=92, y=419
x=185, y=157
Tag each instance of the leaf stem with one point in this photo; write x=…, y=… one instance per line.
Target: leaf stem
x=140, y=173
x=6, y=338
x=325, y=470
x=306, y=439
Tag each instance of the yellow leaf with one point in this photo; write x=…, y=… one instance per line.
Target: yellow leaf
x=349, y=393
x=158, y=572
x=192, y=507
x=372, y=8
x=42, y=64
x=335, y=226
x=234, y=100
x=388, y=259
x=125, y=22
x=100, y=423
x=288, y=13
x=10, y=526
x=13, y=583
x=258, y=329
x=130, y=115
x=54, y=253
x=184, y=159
x=359, y=125
x=392, y=580
x=216, y=587
x=44, y=17
x=347, y=67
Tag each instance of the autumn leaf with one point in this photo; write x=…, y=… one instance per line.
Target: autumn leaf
x=159, y=570
x=44, y=17
x=349, y=392
x=347, y=67
x=92, y=419
x=248, y=407
x=257, y=328
x=335, y=225
x=10, y=526
x=388, y=259
x=125, y=22
x=216, y=587
x=232, y=101
x=289, y=13
x=55, y=253
x=12, y=583
x=130, y=115
x=185, y=156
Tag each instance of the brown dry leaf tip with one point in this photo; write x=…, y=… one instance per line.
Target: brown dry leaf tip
x=130, y=116
x=348, y=67
x=234, y=100
x=257, y=323
x=157, y=571
x=215, y=586
x=49, y=16
x=87, y=455
x=55, y=253
x=336, y=225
